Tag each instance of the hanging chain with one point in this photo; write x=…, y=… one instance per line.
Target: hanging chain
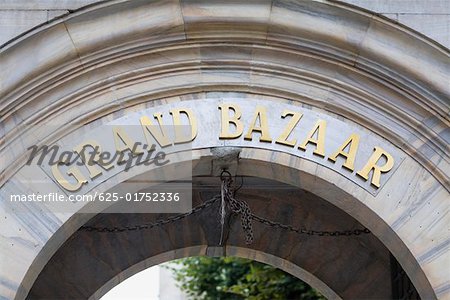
x=308, y=232
x=158, y=223
x=238, y=207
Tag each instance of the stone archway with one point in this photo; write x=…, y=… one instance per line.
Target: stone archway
x=362, y=269
x=325, y=57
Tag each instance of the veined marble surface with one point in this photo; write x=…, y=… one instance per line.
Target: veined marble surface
x=349, y=64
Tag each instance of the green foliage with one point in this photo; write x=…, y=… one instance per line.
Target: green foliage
x=228, y=278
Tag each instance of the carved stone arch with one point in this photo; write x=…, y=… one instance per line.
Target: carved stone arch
x=109, y=59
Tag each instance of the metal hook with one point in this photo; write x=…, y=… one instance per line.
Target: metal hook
x=225, y=171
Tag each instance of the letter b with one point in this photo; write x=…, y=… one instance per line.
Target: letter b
x=227, y=120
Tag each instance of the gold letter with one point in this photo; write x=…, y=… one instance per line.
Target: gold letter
x=179, y=136
x=89, y=163
x=159, y=135
x=320, y=127
x=296, y=116
x=377, y=170
x=350, y=156
x=227, y=119
x=260, y=113
x=74, y=172
x=121, y=137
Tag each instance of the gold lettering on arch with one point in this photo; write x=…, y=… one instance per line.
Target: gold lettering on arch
x=234, y=121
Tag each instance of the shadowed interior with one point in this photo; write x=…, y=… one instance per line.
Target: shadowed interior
x=350, y=265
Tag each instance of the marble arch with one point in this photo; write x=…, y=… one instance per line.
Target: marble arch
x=107, y=60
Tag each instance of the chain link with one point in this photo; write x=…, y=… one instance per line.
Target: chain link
x=308, y=232
x=238, y=207
x=158, y=223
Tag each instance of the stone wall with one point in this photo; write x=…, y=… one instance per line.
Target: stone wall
x=102, y=64
x=431, y=17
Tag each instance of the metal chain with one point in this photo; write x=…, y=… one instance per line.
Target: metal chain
x=241, y=207
x=155, y=224
x=238, y=207
x=308, y=232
